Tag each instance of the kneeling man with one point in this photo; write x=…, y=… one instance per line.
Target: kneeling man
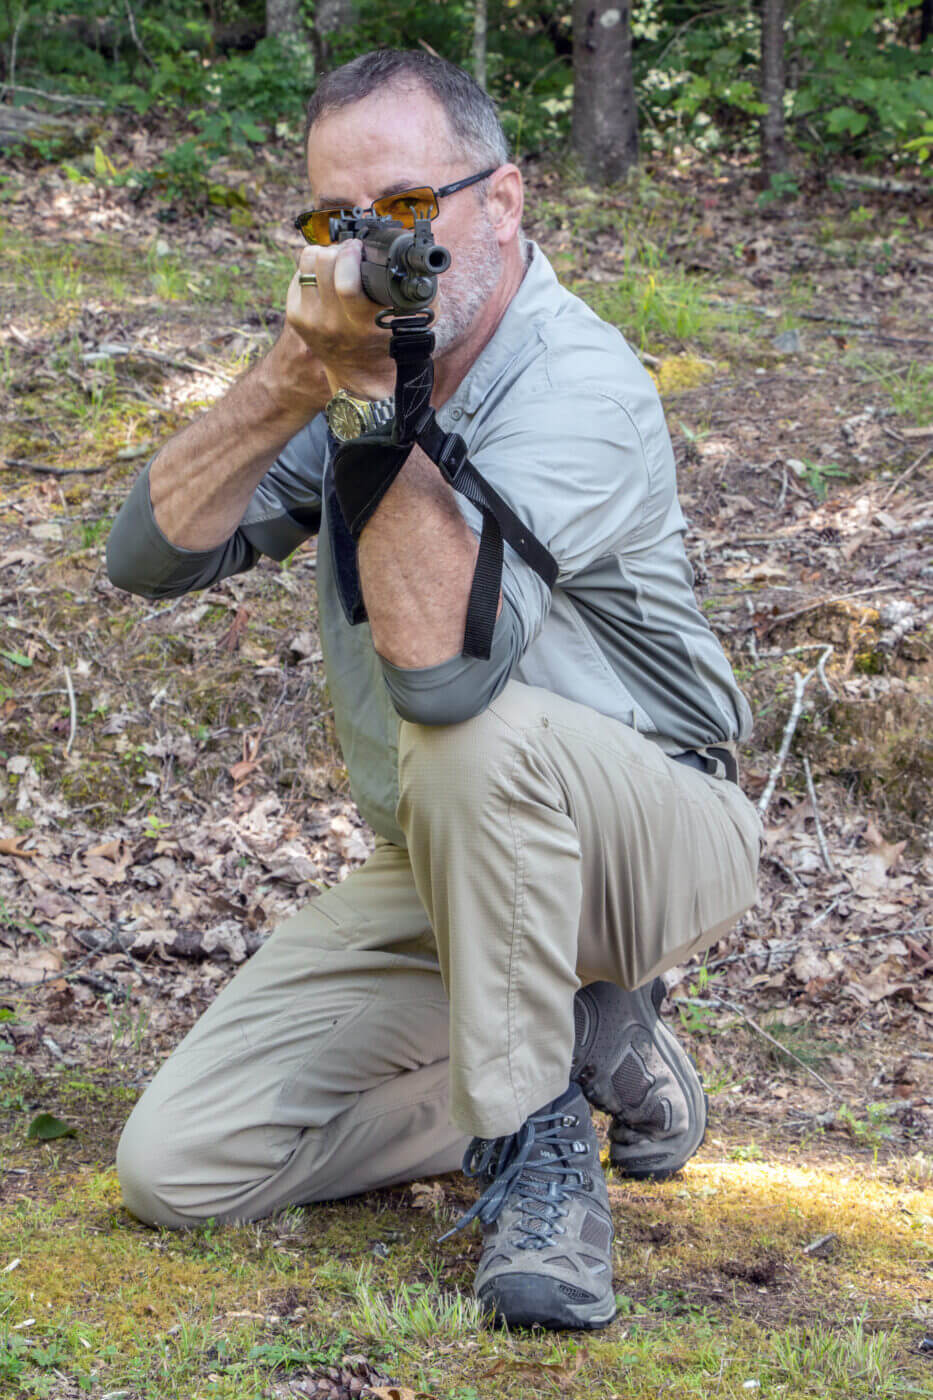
x=557, y=822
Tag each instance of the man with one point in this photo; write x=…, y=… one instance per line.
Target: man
x=563, y=812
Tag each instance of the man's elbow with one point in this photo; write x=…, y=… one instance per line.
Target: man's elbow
x=440, y=707
x=123, y=571
x=460, y=688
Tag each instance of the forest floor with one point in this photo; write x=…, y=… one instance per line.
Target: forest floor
x=170, y=788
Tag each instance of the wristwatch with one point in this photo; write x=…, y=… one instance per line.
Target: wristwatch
x=349, y=417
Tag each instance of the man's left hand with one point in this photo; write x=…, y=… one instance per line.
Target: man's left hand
x=336, y=319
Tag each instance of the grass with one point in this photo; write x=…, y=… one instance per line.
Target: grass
x=418, y=1313
x=801, y=1043
x=853, y=1361
x=713, y=1285
x=910, y=388
x=715, y=1290
x=654, y=308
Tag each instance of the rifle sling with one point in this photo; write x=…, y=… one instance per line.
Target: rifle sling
x=365, y=467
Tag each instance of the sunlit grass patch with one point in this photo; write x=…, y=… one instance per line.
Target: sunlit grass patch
x=713, y=1284
x=851, y=1362
x=414, y=1312
x=655, y=308
x=908, y=386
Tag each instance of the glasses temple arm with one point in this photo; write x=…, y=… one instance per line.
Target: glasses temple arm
x=462, y=184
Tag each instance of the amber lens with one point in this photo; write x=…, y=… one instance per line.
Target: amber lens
x=407, y=206
x=314, y=225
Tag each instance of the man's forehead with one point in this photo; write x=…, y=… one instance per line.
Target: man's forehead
x=398, y=134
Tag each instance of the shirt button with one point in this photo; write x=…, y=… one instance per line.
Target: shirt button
x=456, y=413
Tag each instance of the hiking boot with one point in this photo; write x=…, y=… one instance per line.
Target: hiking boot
x=629, y=1064
x=545, y=1219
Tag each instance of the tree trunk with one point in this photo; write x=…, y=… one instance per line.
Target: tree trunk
x=329, y=16
x=283, y=19
x=605, y=117
x=479, y=42
x=926, y=21
x=773, y=148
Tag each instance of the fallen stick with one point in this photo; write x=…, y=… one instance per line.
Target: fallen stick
x=750, y=1021
x=821, y=839
x=71, y=100
x=45, y=470
x=880, y=183
x=800, y=689
x=781, y=950
x=905, y=476
x=828, y=602
x=73, y=710
x=112, y=351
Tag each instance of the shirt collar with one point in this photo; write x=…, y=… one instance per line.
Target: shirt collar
x=538, y=296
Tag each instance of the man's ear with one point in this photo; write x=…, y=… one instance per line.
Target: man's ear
x=505, y=200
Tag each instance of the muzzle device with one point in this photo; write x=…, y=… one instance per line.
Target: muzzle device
x=400, y=266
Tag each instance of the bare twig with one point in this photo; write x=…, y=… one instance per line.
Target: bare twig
x=828, y=602
x=65, y=97
x=73, y=710
x=776, y=950
x=46, y=470
x=785, y=869
x=820, y=665
x=163, y=612
x=881, y=183
x=820, y=837
x=114, y=352
x=905, y=476
x=800, y=687
x=837, y=320
x=750, y=1021
x=783, y=495
x=14, y=43
x=135, y=36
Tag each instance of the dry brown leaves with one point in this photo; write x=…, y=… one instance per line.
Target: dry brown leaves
x=558, y=1373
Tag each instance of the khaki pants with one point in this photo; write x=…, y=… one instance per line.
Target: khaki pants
x=429, y=998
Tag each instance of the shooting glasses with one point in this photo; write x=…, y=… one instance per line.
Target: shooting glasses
x=405, y=207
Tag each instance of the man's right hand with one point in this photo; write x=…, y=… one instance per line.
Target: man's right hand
x=337, y=321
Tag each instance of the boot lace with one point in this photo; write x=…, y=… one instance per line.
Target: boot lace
x=538, y=1188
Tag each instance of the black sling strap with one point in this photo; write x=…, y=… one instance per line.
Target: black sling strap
x=365, y=467
x=411, y=348
x=448, y=452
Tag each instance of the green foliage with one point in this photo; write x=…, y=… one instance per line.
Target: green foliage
x=782, y=186
x=858, y=82
x=860, y=89
x=817, y=475
x=528, y=60
x=45, y=1127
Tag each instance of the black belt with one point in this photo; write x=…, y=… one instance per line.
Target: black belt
x=701, y=762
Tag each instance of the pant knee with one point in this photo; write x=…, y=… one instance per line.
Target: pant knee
x=453, y=764
x=141, y=1169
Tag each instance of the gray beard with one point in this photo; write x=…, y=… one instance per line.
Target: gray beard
x=466, y=286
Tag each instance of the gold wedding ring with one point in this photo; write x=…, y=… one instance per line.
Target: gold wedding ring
x=307, y=279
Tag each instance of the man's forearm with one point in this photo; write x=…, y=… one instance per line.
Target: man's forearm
x=416, y=560
x=202, y=480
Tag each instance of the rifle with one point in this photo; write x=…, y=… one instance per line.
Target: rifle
x=400, y=265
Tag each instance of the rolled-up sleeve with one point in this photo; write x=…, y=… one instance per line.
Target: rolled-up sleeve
x=598, y=474
x=284, y=511
x=462, y=687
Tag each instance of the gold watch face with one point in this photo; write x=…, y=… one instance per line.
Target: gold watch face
x=345, y=419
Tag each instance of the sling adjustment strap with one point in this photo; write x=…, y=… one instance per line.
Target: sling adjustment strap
x=411, y=347
x=365, y=468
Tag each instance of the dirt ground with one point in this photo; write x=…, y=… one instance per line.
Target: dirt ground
x=170, y=787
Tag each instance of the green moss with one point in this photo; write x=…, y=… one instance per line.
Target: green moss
x=869, y=663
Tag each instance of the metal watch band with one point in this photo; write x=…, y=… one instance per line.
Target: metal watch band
x=372, y=413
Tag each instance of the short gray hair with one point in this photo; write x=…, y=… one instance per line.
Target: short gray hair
x=470, y=112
